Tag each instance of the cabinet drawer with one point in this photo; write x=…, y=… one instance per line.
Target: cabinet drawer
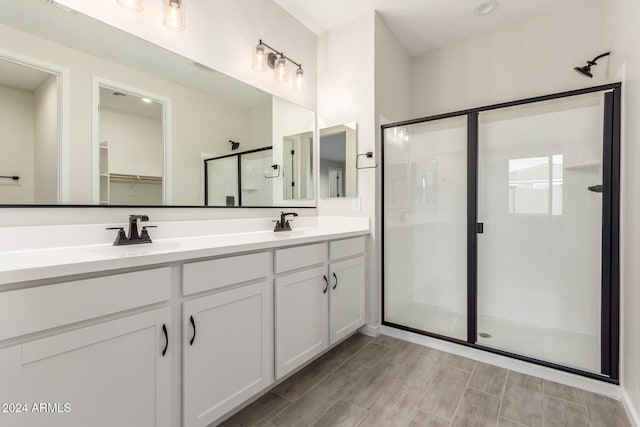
x=346, y=248
x=36, y=309
x=300, y=257
x=216, y=273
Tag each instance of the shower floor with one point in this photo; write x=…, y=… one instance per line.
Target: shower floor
x=552, y=345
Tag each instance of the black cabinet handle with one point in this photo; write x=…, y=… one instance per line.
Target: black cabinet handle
x=335, y=277
x=193, y=324
x=166, y=339
x=326, y=287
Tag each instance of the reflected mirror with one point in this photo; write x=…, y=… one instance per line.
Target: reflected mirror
x=97, y=148
x=338, y=149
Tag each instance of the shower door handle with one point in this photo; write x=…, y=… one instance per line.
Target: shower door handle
x=480, y=228
x=596, y=188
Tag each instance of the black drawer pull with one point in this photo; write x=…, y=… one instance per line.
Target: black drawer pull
x=326, y=287
x=335, y=277
x=166, y=339
x=193, y=324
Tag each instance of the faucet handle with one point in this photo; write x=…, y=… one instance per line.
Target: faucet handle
x=121, y=237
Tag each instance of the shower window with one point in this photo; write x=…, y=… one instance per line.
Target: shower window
x=535, y=185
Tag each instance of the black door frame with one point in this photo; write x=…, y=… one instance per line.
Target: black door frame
x=610, y=304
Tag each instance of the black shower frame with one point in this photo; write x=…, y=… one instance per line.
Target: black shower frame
x=610, y=304
x=239, y=169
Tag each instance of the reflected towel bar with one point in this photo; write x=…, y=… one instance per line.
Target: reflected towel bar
x=15, y=178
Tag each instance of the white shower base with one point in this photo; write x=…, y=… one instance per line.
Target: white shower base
x=552, y=345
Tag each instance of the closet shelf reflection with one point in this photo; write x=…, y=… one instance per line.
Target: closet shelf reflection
x=125, y=177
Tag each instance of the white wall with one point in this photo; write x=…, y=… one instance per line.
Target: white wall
x=46, y=141
x=370, y=87
x=17, y=144
x=222, y=34
x=135, y=142
x=526, y=59
x=624, y=17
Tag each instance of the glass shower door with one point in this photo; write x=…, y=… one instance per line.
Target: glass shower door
x=425, y=226
x=539, y=252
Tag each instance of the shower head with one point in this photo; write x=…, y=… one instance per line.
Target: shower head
x=586, y=70
x=234, y=145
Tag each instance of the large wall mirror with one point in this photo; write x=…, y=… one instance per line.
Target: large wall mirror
x=86, y=122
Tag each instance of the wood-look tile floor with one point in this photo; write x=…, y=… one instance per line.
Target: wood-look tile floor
x=389, y=382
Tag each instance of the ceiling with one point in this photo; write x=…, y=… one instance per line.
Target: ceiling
x=420, y=25
x=129, y=103
x=21, y=77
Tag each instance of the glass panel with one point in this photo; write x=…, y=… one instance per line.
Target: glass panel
x=425, y=231
x=539, y=258
x=222, y=181
x=257, y=189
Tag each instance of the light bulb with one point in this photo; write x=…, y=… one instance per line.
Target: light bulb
x=280, y=67
x=260, y=59
x=174, y=15
x=131, y=5
x=297, y=85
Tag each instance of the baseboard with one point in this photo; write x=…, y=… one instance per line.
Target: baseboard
x=633, y=412
x=372, y=331
x=595, y=386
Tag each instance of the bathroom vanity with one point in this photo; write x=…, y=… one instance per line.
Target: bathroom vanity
x=177, y=332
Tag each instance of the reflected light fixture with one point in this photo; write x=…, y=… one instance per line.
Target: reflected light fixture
x=277, y=61
x=131, y=5
x=174, y=15
x=586, y=70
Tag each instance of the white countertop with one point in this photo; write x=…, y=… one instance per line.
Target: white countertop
x=45, y=252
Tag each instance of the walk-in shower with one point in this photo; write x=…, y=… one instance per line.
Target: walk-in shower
x=501, y=228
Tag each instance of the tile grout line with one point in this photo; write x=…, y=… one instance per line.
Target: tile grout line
x=312, y=387
x=504, y=393
x=463, y=393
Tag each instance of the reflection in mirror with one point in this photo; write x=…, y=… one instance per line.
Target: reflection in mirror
x=242, y=179
x=204, y=110
x=29, y=105
x=338, y=149
x=297, y=166
x=131, y=133
x=221, y=181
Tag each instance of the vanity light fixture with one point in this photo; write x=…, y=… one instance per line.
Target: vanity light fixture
x=174, y=15
x=277, y=61
x=586, y=70
x=173, y=12
x=131, y=5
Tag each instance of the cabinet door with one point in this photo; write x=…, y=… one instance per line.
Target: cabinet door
x=109, y=374
x=347, y=280
x=301, y=318
x=228, y=351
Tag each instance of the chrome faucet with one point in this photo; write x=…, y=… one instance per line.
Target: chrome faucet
x=134, y=238
x=283, y=224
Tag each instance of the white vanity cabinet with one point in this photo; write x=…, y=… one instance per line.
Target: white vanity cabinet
x=100, y=373
x=320, y=302
x=227, y=335
x=347, y=291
